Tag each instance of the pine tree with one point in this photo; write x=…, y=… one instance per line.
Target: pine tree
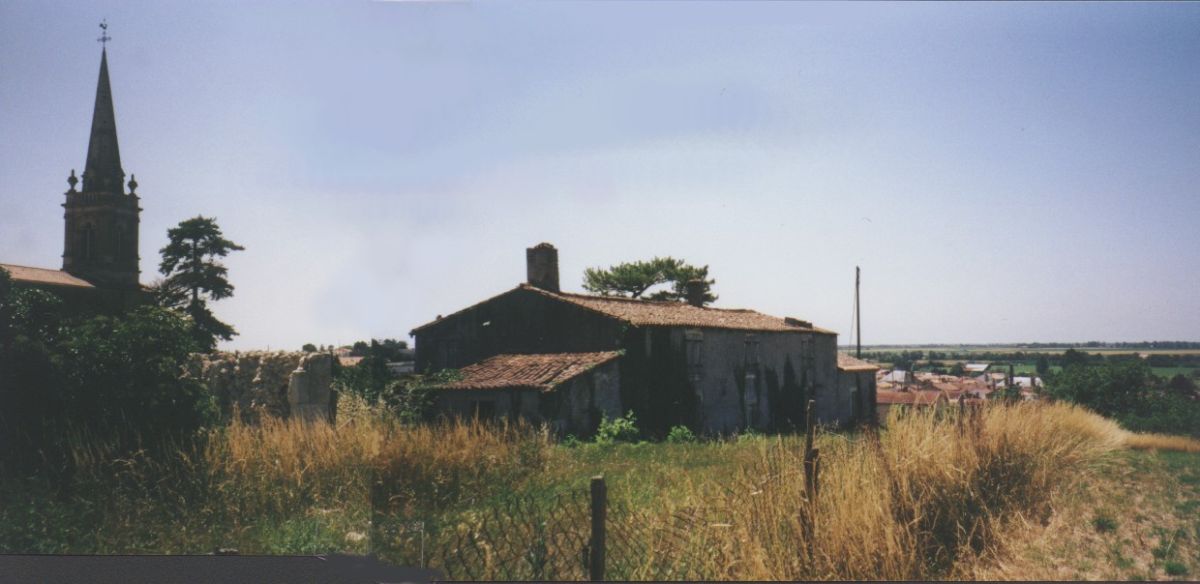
x=192, y=276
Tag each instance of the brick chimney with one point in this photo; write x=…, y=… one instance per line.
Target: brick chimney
x=695, y=292
x=541, y=266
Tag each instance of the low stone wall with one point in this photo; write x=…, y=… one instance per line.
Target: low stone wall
x=278, y=383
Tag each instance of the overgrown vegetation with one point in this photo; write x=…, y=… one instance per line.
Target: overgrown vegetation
x=112, y=377
x=920, y=499
x=1127, y=391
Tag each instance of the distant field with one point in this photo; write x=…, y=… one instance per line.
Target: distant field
x=1014, y=348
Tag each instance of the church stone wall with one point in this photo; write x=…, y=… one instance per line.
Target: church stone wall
x=278, y=383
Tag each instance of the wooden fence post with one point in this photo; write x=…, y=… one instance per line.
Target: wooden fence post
x=810, y=425
x=962, y=410
x=811, y=468
x=376, y=498
x=810, y=453
x=599, y=515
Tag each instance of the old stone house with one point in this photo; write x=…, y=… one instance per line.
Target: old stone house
x=717, y=370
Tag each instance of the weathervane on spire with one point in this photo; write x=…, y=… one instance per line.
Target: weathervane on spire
x=104, y=38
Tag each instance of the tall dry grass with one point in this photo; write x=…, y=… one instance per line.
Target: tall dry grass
x=275, y=465
x=1138, y=441
x=909, y=503
x=919, y=499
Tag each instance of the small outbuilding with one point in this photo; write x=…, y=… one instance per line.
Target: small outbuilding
x=568, y=391
x=856, y=384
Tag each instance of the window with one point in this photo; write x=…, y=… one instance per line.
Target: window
x=88, y=241
x=750, y=360
x=694, y=342
x=483, y=409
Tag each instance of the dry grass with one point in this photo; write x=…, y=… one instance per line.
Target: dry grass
x=927, y=497
x=913, y=502
x=1161, y=442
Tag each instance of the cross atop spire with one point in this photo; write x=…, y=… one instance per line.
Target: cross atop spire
x=104, y=38
x=102, y=171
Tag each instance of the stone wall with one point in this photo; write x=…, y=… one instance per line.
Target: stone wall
x=279, y=383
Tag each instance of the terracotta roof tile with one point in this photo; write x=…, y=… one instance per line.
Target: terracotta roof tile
x=887, y=396
x=44, y=276
x=847, y=363
x=638, y=312
x=920, y=397
x=543, y=372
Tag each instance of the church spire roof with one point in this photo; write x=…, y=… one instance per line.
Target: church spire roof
x=102, y=171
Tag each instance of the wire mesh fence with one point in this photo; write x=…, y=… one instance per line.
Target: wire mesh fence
x=552, y=535
x=549, y=536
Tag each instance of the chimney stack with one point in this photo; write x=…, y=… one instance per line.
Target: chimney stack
x=695, y=292
x=541, y=266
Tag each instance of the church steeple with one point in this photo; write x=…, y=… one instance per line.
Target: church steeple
x=100, y=241
x=102, y=172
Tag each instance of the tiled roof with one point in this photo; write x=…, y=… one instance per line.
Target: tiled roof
x=543, y=372
x=920, y=398
x=44, y=276
x=638, y=312
x=847, y=363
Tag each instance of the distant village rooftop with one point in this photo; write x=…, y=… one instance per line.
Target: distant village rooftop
x=847, y=363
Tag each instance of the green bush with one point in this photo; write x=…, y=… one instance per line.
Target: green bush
x=748, y=434
x=413, y=398
x=110, y=377
x=622, y=429
x=680, y=435
x=1175, y=569
x=1104, y=523
x=123, y=376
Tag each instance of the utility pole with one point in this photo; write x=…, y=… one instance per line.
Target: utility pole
x=857, y=316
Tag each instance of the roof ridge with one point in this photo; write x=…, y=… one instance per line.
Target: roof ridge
x=33, y=267
x=639, y=300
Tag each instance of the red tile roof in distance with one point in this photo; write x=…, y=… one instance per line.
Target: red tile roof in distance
x=920, y=397
x=638, y=312
x=543, y=372
x=44, y=276
x=847, y=363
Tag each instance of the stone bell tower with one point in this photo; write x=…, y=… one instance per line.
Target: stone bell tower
x=101, y=235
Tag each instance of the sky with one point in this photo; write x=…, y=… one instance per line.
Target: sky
x=1000, y=172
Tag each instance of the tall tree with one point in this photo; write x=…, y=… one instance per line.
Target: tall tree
x=192, y=276
x=633, y=279
x=1043, y=364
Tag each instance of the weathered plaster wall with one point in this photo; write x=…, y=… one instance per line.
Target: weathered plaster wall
x=858, y=389
x=518, y=321
x=730, y=380
x=279, y=383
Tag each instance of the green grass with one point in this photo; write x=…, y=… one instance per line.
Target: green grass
x=1104, y=522
x=1169, y=372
